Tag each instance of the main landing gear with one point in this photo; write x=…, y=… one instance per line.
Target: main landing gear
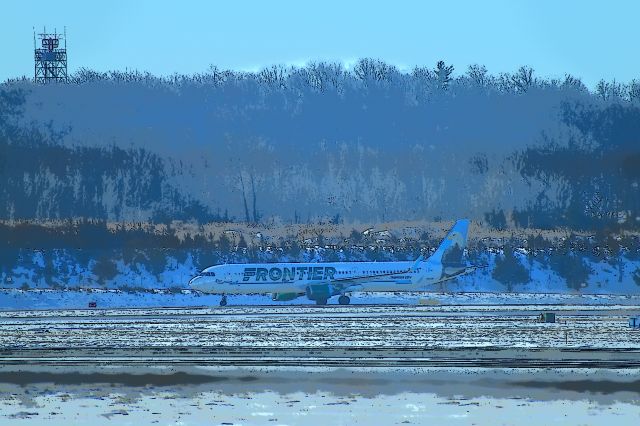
x=344, y=299
x=223, y=301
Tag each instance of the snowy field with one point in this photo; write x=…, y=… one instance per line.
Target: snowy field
x=101, y=392
x=323, y=397
x=613, y=275
x=14, y=299
x=391, y=326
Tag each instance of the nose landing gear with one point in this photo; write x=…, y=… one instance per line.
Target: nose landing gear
x=223, y=301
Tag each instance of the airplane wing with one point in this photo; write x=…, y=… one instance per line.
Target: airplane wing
x=347, y=282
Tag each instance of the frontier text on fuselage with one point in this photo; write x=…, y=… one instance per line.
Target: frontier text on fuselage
x=289, y=274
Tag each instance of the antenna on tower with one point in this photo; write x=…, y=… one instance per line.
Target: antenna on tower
x=50, y=58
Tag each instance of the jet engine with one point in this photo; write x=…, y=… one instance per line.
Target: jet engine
x=320, y=293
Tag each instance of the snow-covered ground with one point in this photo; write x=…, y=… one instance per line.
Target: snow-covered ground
x=337, y=397
x=12, y=299
x=393, y=326
x=620, y=275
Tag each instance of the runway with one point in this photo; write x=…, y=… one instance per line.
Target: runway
x=491, y=336
x=341, y=357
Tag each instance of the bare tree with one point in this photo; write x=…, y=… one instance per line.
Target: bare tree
x=216, y=76
x=368, y=69
x=422, y=73
x=323, y=76
x=274, y=76
x=602, y=89
x=256, y=217
x=613, y=90
x=634, y=90
x=244, y=199
x=523, y=79
x=571, y=82
x=478, y=74
x=504, y=83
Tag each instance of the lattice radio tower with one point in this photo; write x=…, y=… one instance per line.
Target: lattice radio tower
x=51, y=59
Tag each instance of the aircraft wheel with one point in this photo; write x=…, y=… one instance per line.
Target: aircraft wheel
x=321, y=301
x=223, y=301
x=344, y=300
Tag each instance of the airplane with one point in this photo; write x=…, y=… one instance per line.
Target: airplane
x=321, y=281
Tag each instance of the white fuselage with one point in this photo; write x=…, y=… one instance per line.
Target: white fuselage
x=297, y=277
x=321, y=281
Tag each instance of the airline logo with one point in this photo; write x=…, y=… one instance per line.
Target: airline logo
x=456, y=238
x=316, y=273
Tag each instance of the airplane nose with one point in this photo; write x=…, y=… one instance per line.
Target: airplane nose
x=196, y=282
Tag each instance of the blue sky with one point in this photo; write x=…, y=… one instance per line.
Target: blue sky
x=588, y=39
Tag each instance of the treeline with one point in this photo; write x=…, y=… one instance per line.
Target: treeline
x=601, y=169
x=511, y=262
x=99, y=234
x=304, y=144
x=144, y=255
x=570, y=258
x=333, y=76
x=87, y=234
x=46, y=180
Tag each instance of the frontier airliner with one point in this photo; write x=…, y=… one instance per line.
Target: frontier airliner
x=321, y=281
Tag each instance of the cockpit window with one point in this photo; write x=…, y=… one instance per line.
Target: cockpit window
x=208, y=274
